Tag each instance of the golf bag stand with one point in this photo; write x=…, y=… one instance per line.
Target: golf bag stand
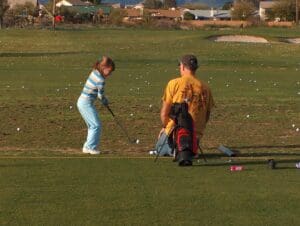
x=183, y=138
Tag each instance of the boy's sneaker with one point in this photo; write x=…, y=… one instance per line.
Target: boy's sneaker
x=154, y=152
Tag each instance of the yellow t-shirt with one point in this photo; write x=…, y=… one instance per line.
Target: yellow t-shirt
x=198, y=96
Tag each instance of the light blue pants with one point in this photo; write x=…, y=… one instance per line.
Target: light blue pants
x=162, y=146
x=89, y=113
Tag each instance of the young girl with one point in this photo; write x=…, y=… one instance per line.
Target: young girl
x=93, y=89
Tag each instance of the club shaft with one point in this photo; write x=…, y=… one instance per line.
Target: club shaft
x=204, y=158
x=119, y=124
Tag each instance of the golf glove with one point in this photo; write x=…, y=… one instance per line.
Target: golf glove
x=104, y=101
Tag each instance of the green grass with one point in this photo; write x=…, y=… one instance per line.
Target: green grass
x=45, y=180
x=138, y=192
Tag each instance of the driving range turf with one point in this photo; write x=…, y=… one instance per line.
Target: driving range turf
x=46, y=180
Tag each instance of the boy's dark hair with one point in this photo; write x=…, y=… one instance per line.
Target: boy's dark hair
x=190, y=61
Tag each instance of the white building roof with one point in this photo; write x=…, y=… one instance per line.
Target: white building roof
x=266, y=4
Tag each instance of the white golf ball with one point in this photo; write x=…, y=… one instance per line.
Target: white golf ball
x=293, y=125
x=18, y=129
x=297, y=130
x=131, y=114
x=247, y=116
x=137, y=141
x=150, y=105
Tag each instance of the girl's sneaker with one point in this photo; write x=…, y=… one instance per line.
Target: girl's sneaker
x=85, y=150
x=94, y=152
x=89, y=151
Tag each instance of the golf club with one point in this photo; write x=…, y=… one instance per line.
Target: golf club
x=200, y=149
x=121, y=126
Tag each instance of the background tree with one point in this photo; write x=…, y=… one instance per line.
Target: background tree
x=170, y=4
x=283, y=9
x=26, y=9
x=116, y=16
x=153, y=4
x=3, y=8
x=243, y=10
x=188, y=16
x=96, y=2
x=147, y=19
x=68, y=13
x=227, y=5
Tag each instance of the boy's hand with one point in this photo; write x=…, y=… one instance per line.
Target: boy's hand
x=161, y=132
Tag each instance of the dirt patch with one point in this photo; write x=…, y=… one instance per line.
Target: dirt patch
x=239, y=38
x=293, y=40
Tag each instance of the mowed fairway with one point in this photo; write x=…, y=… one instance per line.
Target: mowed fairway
x=46, y=180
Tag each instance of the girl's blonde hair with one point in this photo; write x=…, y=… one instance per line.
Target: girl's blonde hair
x=103, y=63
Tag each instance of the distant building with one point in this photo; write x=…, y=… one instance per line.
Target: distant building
x=165, y=14
x=133, y=14
x=73, y=3
x=210, y=14
x=264, y=7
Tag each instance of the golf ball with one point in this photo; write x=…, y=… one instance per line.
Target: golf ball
x=297, y=129
x=137, y=141
x=18, y=129
x=247, y=116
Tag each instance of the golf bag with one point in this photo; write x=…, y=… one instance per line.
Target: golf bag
x=183, y=138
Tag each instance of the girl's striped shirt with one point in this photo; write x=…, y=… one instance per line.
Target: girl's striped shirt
x=94, y=86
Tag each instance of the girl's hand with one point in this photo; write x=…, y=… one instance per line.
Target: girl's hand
x=104, y=101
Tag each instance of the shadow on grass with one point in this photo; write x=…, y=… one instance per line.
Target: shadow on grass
x=236, y=150
x=293, y=146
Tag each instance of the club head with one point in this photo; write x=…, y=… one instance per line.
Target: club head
x=136, y=141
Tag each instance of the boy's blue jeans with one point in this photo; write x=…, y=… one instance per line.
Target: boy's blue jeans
x=89, y=113
x=162, y=145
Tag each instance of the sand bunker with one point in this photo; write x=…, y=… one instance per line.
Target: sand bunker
x=294, y=40
x=239, y=38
